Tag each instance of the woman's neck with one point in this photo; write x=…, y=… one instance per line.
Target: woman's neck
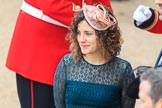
x=95, y=59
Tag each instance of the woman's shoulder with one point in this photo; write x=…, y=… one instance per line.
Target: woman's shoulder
x=67, y=58
x=123, y=65
x=122, y=61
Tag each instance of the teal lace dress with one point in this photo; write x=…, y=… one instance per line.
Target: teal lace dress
x=84, y=85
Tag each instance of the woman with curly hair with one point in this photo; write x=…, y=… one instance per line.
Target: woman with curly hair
x=92, y=76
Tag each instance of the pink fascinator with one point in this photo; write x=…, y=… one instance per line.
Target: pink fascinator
x=98, y=17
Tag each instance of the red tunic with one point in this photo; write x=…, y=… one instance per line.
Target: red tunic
x=154, y=24
x=156, y=27
x=37, y=46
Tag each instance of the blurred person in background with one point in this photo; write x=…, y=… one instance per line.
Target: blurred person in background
x=149, y=90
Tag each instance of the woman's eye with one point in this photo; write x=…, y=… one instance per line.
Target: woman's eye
x=87, y=33
x=78, y=33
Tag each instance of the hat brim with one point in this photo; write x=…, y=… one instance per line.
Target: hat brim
x=133, y=89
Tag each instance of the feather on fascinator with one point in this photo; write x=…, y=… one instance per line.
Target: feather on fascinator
x=98, y=17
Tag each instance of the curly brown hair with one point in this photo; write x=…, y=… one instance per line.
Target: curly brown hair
x=109, y=38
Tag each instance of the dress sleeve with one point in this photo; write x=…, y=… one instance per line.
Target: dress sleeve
x=127, y=79
x=60, y=85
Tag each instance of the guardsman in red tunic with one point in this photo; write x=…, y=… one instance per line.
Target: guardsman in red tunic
x=149, y=19
x=37, y=46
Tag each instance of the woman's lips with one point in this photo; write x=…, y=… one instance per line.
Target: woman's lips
x=84, y=46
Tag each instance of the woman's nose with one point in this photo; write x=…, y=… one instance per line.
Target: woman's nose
x=82, y=38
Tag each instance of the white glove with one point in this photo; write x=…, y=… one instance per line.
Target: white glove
x=142, y=14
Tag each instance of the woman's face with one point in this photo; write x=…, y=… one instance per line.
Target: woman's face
x=87, y=39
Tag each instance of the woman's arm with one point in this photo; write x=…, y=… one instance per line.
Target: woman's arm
x=128, y=77
x=60, y=85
